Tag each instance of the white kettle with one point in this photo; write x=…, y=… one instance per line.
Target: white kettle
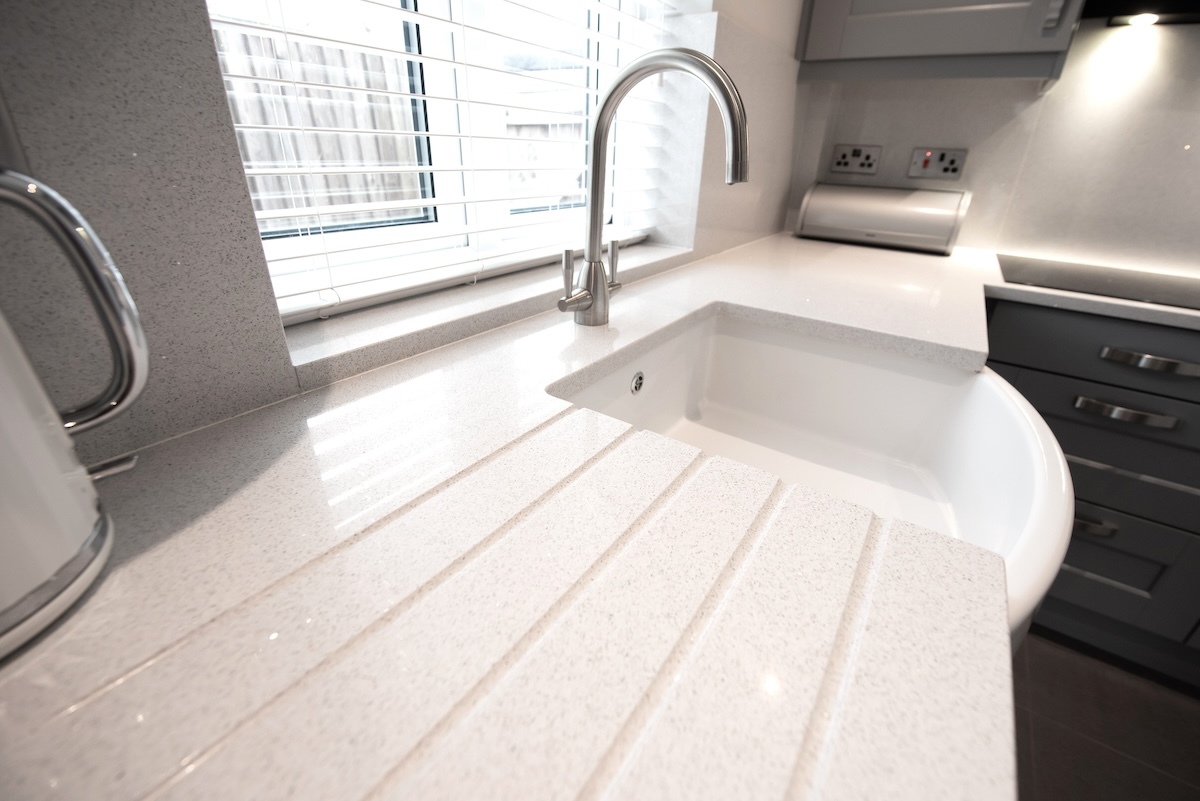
x=54, y=537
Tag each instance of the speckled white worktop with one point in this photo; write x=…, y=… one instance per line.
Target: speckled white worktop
x=434, y=580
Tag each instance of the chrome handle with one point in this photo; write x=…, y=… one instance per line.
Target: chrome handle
x=614, y=247
x=1095, y=528
x=112, y=467
x=572, y=300
x=105, y=287
x=1116, y=585
x=1124, y=414
x=1145, y=361
x=1054, y=14
x=568, y=272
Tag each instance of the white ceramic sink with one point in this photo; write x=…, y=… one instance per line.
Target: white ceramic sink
x=955, y=451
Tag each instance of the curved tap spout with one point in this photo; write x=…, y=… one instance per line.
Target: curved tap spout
x=588, y=296
x=719, y=84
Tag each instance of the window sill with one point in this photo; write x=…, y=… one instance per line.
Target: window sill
x=325, y=351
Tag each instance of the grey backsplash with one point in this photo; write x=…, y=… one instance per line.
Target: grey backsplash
x=1093, y=170
x=120, y=106
x=1107, y=177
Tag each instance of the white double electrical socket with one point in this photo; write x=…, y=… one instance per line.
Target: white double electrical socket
x=862, y=159
x=937, y=162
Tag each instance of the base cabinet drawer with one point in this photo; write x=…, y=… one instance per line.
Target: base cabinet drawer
x=1110, y=409
x=1174, y=466
x=1127, y=353
x=1143, y=496
x=1132, y=570
x=1101, y=424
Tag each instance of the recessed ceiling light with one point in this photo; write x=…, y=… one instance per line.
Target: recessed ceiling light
x=1143, y=19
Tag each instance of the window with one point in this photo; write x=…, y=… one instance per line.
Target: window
x=399, y=146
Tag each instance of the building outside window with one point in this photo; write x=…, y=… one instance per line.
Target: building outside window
x=398, y=146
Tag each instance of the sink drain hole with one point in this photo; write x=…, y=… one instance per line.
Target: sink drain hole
x=635, y=386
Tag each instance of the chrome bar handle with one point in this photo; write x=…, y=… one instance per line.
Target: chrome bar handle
x=1124, y=414
x=105, y=287
x=1145, y=361
x=571, y=300
x=1117, y=585
x=1054, y=14
x=112, y=467
x=614, y=247
x=1095, y=528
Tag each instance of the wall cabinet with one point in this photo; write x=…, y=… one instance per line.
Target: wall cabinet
x=1123, y=400
x=937, y=38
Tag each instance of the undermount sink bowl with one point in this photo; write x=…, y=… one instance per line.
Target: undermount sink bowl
x=955, y=451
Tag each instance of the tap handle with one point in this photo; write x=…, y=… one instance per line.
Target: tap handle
x=614, y=247
x=568, y=271
x=572, y=300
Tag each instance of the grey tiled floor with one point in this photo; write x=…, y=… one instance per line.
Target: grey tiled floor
x=1089, y=730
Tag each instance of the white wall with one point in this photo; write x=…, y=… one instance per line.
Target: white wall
x=1095, y=170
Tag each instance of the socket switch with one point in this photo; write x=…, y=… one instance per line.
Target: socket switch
x=933, y=162
x=862, y=159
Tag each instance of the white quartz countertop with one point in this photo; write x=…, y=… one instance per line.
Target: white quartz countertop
x=435, y=580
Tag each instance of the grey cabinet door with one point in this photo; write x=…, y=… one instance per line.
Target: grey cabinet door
x=856, y=29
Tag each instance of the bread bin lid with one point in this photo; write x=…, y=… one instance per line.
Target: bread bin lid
x=914, y=219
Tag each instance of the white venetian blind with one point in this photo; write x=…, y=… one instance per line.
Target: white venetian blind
x=398, y=146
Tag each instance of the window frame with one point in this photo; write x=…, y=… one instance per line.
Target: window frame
x=435, y=233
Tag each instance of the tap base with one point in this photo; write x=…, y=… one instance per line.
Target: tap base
x=595, y=284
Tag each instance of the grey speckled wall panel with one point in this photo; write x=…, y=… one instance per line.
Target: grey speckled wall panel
x=120, y=106
x=1100, y=169
x=1113, y=170
x=994, y=117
